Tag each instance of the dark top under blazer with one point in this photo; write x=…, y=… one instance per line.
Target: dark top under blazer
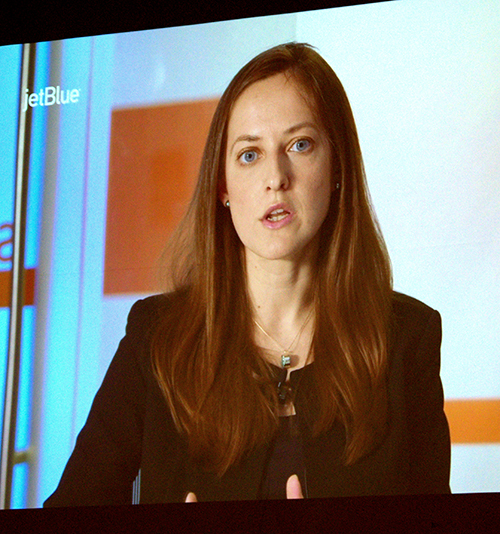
x=129, y=428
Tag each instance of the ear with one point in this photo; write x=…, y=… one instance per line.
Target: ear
x=222, y=193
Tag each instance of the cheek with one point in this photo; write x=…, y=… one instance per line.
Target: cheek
x=319, y=196
x=242, y=204
x=231, y=184
x=243, y=224
x=241, y=188
x=321, y=183
x=321, y=205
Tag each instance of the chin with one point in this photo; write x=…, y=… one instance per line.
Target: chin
x=284, y=253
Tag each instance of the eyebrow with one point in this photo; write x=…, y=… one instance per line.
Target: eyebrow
x=305, y=124
x=292, y=129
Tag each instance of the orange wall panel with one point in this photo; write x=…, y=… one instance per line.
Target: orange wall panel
x=155, y=155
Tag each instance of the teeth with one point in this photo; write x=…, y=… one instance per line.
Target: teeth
x=277, y=215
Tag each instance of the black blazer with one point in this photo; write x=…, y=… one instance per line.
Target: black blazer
x=129, y=428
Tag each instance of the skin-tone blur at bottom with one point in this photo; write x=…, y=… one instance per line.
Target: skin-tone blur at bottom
x=293, y=490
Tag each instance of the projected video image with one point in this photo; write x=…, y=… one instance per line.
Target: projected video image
x=280, y=335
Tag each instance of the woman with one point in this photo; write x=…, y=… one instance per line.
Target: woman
x=280, y=363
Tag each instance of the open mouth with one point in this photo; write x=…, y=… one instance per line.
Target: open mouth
x=277, y=215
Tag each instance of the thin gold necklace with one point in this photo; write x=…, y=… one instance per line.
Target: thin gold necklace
x=286, y=355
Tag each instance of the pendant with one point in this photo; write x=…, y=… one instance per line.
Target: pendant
x=286, y=359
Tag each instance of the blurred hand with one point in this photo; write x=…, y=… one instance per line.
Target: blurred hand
x=293, y=490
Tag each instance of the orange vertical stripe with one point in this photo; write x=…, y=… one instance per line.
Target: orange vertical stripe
x=5, y=287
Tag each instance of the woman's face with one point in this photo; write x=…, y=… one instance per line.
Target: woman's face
x=278, y=170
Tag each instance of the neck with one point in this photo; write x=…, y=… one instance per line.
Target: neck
x=281, y=293
x=279, y=288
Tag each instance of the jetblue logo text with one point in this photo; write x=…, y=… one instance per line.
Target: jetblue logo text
x=50, y=96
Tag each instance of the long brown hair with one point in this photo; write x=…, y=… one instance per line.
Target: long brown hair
x=217, y=384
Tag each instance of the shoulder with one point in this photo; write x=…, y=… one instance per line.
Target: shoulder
x=133, y=357
x=410, y=314
x=146, y=318
x=404, y=305
x=415, y=328
x=145, y=313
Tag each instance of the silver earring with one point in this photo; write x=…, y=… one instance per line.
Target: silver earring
x=226, y=204
x=337, y=185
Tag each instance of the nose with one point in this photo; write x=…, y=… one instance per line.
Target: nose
x=277, y=173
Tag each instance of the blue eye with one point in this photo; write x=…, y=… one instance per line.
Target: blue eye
x=248, y=156
x=301, y=145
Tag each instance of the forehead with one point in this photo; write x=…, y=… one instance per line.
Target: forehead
x=275, y=101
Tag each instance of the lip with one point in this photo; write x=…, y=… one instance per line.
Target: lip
x=275, y=225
